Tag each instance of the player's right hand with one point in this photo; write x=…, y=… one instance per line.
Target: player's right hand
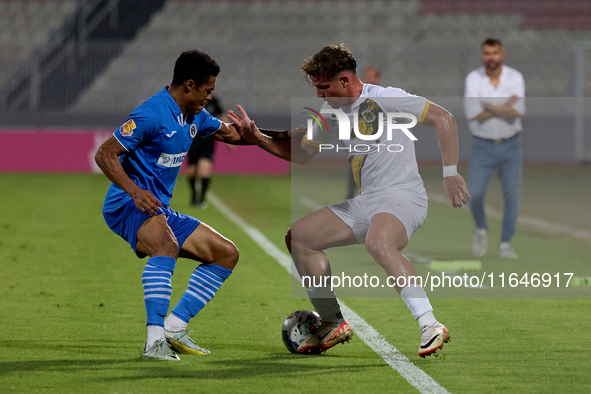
x=244, y=125
x=146, y=202
x=456, y=189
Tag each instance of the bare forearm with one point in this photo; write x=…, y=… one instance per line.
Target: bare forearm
x=112, y=168
x=484, y=116
x=279, y=148
x=285, y=144
x=230, y=136
x=278, y=135
x=504, y=111
x=447, y=132
x=447, y=135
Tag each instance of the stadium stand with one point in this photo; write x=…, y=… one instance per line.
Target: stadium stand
x=541, y=15
x=51, y=77
x=426, y=47
x=25, y=26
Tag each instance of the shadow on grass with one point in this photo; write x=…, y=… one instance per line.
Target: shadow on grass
x=270, y=366
x=11, y=367
x=191, y=367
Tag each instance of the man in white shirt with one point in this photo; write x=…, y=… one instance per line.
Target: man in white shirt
x=494, y=102
x=392, y=203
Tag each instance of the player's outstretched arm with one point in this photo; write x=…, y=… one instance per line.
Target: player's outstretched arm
x=447, y=135
x=107, y=158
x=287, y=145
x=228, y=134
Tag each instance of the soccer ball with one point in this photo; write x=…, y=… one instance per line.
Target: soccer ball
x=297, y=327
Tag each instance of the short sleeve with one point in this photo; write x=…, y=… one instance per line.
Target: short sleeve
x=139, y=125
x=207, y=124
x=397, y=100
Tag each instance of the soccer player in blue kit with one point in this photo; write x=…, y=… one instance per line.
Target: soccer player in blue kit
x=142, y=160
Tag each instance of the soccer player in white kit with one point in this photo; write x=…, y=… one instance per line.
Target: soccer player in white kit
x=392, y=203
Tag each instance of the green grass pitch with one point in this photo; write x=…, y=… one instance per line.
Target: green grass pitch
x=72, y=312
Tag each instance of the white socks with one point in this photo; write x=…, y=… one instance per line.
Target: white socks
x=416, y=300
x=427, y=319
x=173, y=323
x=154, y=333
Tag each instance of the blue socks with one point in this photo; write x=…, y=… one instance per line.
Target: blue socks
x=205, y=281
x=157, y=288
x=156, y=280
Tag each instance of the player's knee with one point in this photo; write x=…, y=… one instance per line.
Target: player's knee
x=298, y=240
x=229, y=255
x=288, y=239
x=168, y=248
x=377, y=248
x=297, y=245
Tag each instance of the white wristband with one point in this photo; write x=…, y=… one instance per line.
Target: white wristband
x=450, y=171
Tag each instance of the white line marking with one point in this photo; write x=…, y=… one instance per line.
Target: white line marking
x=309, y=203
x=413, y=374
x=540, y=224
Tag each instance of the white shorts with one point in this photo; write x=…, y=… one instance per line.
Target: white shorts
x=358, y=212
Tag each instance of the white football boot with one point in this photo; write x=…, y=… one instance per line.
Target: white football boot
x=432, y=338
x=327, y=335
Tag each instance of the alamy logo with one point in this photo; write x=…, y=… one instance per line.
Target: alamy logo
x=369, y=117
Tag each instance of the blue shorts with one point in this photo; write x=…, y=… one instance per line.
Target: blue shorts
x=125, y=220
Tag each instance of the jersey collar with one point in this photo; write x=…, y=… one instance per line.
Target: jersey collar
x=174, y=107
x=362, y=97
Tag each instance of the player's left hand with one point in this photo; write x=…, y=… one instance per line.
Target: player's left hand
x=456, y=189
x=244, y=125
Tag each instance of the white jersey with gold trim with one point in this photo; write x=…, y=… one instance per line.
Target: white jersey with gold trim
x=380, y=164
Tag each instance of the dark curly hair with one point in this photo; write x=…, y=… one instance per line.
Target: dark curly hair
x=194, y=65
x=492, y=42
x=328, y=62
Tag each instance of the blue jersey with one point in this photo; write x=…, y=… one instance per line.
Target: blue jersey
x=157, y=139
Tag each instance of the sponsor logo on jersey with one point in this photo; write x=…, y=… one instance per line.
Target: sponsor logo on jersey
x=171, y=160
x=171, y=133
x=193, y=131
x=127, y=128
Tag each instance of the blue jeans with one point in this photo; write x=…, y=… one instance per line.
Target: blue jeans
x=507, y=158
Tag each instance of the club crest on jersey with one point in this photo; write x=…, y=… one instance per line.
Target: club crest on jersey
x=127, y=128
x=368, y=116
x=193, y=131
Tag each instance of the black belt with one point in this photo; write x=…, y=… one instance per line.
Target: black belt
x=499, y=140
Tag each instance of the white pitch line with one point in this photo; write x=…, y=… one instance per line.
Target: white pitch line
x=540, y=224
x=309, y=203
x=413, y=374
